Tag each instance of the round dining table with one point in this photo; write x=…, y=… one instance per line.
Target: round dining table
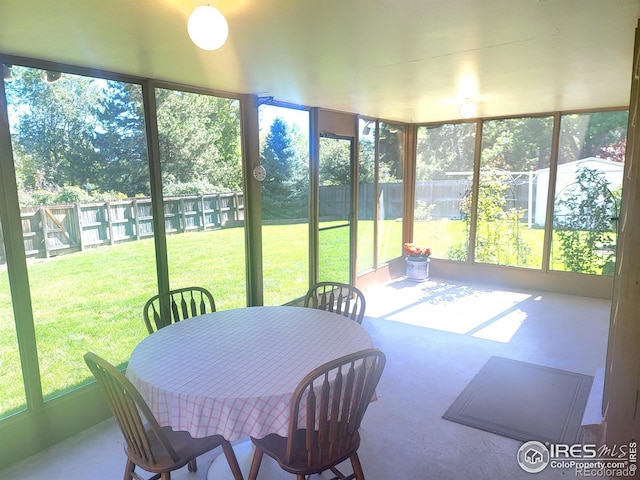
x=233, y=372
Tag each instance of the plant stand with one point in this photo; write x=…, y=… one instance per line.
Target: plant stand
x=417, y=269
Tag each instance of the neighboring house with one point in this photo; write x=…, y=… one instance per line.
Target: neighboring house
x=567, y=173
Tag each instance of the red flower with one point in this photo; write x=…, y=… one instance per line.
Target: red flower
x=413, y=250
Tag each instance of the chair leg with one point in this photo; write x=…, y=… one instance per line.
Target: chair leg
x=338, y=474
x=232, y=460
x=129, y=469
x=357, y=467
x=255, y=464
x=192, y=466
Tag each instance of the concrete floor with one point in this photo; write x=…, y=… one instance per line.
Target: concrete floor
x=437, y=335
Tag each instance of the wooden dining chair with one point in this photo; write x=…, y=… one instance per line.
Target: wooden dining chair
x=175, y=305
x=156, y=449
x=340, y=298
x=327, y=408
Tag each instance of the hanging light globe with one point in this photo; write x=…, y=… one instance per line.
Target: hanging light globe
x=468, y=109
x=208, y=28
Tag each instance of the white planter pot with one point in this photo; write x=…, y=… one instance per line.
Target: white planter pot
x=417, y=269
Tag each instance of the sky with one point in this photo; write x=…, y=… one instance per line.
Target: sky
x=292, y=116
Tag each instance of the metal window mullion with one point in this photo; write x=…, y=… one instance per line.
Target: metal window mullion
x=252, y=199
x=155, y=177
x=17, y=264
x=475, y=191
x=551, y=193
x=376, y=189
x=314, y=195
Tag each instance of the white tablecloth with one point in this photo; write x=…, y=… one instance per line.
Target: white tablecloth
x=233, y=372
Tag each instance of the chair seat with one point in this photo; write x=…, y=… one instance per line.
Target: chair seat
x=275, y=446
x=184, y=445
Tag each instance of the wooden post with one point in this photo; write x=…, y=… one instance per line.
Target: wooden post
x=45, y=231
x=218, y=209
x=203, y=218
x=236, y=213
x=136, y=222
x=107, y=207
x=183, y=216
x=78, y=210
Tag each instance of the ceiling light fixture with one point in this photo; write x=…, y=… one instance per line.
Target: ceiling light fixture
x=50, y=76
x=468, y=109
x=208, y=28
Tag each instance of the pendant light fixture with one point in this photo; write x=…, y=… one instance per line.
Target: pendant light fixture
x=468, y=109
x=208, y=28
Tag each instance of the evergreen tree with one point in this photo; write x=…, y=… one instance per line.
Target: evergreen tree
x=121, y=141
x=284, y=188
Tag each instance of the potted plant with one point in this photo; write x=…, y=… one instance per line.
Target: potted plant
x=417, y=261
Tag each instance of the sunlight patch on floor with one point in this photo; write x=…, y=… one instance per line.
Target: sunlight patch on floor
x=489, y=314
x=503, y=329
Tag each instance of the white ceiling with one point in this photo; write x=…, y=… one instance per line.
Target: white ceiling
x=406, y=60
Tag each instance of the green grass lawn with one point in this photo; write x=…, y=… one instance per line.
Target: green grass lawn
x=442, y=235
x=92, y=300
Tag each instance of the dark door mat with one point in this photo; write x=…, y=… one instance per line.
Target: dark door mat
x=524, y=401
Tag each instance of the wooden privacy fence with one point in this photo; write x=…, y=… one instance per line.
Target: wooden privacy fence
x=59, y=229
x=444, y=195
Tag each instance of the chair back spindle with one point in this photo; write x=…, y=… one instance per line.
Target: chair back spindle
x=334, y=399
x=175, y=305
x=340, y=298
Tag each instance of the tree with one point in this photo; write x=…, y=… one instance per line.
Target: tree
x=80, y=134
x=366, y=159
x=90, y=134
x=284, y=188
x=443, y=149
x=517, y=144
x=199, y=139
x=53, y=129
x=599, y=134
x=499, y=238
x=121, y=141
x=390, y=144
x=585, y=231
x=335, y=163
